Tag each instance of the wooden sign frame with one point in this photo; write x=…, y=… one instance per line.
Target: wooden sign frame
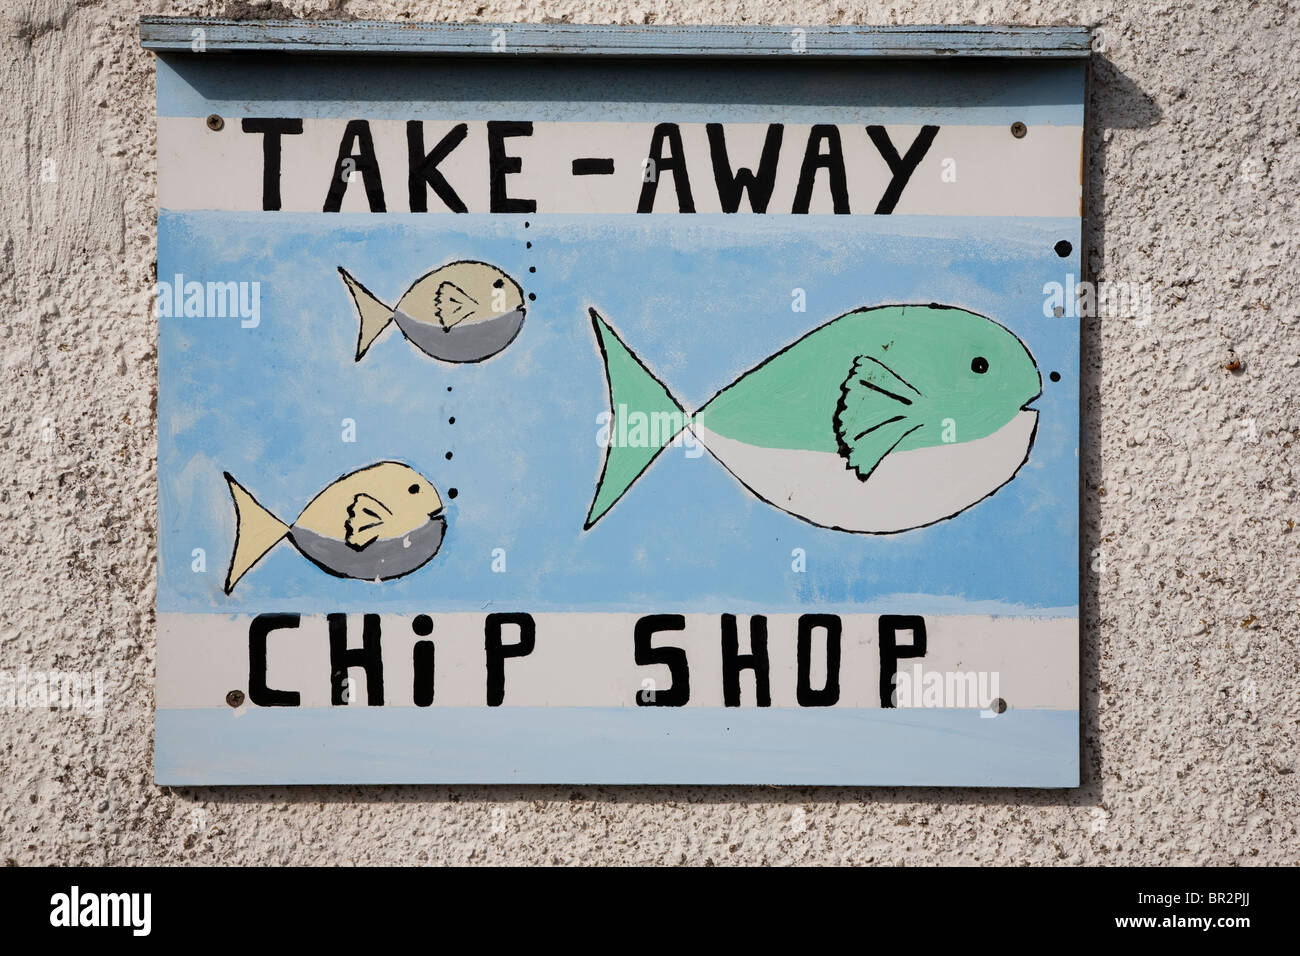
x=657, y=405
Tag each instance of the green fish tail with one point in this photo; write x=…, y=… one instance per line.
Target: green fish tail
x=640, y=407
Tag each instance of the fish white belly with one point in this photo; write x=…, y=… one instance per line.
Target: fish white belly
x=908, y=489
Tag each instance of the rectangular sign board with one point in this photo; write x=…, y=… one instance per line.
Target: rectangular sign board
x=710, y=417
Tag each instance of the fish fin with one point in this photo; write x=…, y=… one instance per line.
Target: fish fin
x=634, y=389
x=874, y=414
x=452, y=304
x=257, y=531
x=365, y=518
x=375, y=316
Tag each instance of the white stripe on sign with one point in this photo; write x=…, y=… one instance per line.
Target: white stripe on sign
x=315, y=165
x=591, y=660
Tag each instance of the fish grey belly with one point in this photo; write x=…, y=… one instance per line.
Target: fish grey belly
x=380, y=560
x=467, y=342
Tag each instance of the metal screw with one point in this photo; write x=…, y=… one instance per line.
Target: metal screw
x=1019, y=129
x=216, y=123
x=999, y=706
x=235, y=698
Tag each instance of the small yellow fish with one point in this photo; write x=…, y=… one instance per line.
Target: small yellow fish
x=375, y=524
x=462, y=312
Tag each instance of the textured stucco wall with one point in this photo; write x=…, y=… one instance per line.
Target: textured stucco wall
x=1189, y=657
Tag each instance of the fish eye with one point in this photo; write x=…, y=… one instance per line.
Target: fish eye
x=414, y=489
x=499, y=283
x=979, y=365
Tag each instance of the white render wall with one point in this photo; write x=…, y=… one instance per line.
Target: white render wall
x=1191, y=690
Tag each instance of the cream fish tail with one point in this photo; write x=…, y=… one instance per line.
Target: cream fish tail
x=375, y=316
x=257, y=531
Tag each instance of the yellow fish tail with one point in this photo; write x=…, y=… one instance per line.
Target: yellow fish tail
x=375, y=316
x=257, y=531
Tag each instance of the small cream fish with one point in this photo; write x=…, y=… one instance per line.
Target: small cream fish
x=375, y=524
x=462, y=312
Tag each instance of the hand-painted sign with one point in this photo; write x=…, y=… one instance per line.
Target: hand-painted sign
x=592, y=420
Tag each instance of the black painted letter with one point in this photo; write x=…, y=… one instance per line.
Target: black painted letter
x=422, y=661
x=732, y=187
x=498, y=652
x=362, y=162
x=674, y=162
x=424, y=168
x=368, y=657
x=891, y=653
x=679, y=691
x=733, y=662
x=500, y=165
x=901, y=168
x=829, y=695
x=258, y=692
x=832, y=161
x=271, y=130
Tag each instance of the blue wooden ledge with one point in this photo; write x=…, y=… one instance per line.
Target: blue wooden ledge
x=180, y=35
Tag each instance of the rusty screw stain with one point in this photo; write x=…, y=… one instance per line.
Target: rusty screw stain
x=1232, y=363
x=216, y=123
x=1019, y=129
x=235, y=698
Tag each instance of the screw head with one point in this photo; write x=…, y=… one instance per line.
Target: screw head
x=1019, y=129
x=216, y=123
x=235, y=698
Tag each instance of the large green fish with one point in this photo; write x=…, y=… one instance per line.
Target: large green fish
x=882, y=420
